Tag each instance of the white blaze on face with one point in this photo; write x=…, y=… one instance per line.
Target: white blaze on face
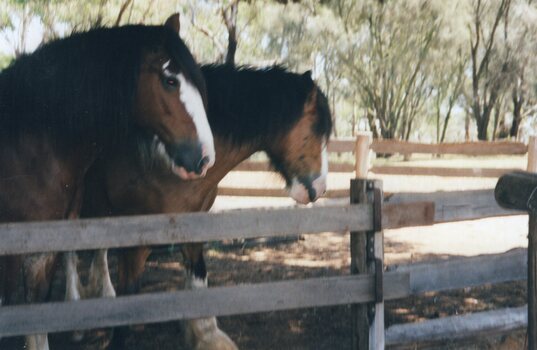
x=191, y=99
x=193, y=102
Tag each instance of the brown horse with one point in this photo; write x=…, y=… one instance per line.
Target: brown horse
x=271, y=110
x=75, y=100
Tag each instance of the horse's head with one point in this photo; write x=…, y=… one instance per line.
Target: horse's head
x=300, y=154
x=171, y=102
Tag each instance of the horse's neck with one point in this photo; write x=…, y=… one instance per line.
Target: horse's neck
x=228, y=156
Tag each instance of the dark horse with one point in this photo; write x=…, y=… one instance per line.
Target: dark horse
x=271, y=110
x=75, y=100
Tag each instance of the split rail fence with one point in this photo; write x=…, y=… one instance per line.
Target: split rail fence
x=363, y=286
x=452, y=206
x=366, y=288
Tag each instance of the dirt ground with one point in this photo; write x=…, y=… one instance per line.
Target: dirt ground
x=327, y=254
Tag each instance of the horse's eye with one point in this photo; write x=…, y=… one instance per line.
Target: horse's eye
x=172, y=82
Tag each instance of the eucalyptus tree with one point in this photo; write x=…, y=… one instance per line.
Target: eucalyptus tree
x=386, y=52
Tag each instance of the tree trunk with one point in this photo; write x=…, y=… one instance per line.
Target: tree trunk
x=229, y=15
x=467, y=127
x=517, y=115
x=482, y=132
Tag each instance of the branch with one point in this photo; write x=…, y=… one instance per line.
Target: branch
x=146, y=12
x=206, y=31
x=122, y=10
x=504, y=6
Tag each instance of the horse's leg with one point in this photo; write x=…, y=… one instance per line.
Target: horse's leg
x=38, y=270
x=131, y=265
x=73, y=287
x=100, y=283
x=202, y=333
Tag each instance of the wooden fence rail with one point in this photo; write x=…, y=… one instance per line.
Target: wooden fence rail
x=130, y=231
x=188, y=304
x=19, y=238
x=452, y=328
x=479, y=148
x=399, y=282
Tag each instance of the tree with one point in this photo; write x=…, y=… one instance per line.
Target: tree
x=386, y=55
x=522, y=96
x=489, y=68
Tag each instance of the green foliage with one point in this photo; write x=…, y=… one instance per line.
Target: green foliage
x=401, y=68
x=5, y=60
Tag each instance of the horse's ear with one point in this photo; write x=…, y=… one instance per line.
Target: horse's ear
x=174, y=22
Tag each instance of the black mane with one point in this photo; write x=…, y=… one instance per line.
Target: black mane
x=82, y=88
x=246, y=104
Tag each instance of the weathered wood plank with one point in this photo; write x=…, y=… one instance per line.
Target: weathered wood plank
x=438, y=171
x=456, y=205
x=273, y=192
x=335, y=167
x=358, y=242
x=532, y=154
x=407, y=214
x=462, y=148
x=532, y=281
x=253, y=166
x=451, y=328
x=361, y=155
x=68, y=235
x=341, y=167
x=220, y=301
x=342, y=145
x=465, y=272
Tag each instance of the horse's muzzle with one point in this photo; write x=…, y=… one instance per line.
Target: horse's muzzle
x=189, y=160
x=306, y=189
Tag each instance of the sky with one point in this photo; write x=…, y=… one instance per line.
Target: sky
x=10, y=37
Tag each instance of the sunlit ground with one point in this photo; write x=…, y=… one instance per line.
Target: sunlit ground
x=474, y=237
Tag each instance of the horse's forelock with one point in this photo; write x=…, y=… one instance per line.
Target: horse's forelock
x=183, y=59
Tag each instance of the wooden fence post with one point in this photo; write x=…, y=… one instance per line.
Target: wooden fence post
x=518, y=190
x=532, y=154
x=532, y=281
x=532, y=251
x=361, y=153
x=532, y=247
x=367, y=257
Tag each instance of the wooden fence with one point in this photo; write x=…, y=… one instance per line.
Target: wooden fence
x=363, y=286
x=20, y=238
x=362, y=143
x=368, y=285
x=366, y=288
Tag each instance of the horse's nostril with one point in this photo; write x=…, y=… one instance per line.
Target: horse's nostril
x=312, y=194
x=202, y=163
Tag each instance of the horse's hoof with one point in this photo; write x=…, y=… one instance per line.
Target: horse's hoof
x=137, y=328
x=218, y=340
x=77, y=336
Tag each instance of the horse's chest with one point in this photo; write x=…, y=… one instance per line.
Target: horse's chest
x=187, y=198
